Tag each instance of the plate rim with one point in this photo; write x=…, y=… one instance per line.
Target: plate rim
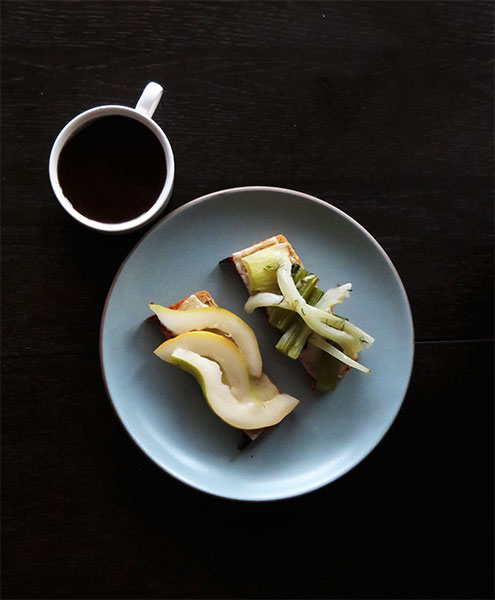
x=319, y=483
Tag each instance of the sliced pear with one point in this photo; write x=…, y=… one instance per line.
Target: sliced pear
x=231, y=360
x=242, y=415
x=183, y=321
x=264, y=388
x=221, y=350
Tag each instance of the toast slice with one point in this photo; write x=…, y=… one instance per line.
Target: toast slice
x=203, y=299
x=237, y=257
x=311, y=356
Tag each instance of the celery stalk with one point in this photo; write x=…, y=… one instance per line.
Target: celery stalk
x=278, y=316
x=326, y=324
x=328, y=372
x=305, y=286
x=294, y=339
x=281, y=317
x=333, y=350
x=303, y=331
x=261, y=267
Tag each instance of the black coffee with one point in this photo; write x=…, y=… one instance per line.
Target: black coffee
x=113, y=170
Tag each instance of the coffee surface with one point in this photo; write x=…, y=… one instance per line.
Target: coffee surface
x=113, y=170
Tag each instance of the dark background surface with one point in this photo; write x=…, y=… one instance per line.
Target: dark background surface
x=381, y=108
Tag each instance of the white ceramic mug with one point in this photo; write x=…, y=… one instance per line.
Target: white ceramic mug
x=143, y=112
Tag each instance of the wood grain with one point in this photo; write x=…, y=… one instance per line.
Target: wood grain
x=384, y=109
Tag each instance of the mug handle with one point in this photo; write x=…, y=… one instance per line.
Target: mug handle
x=149, y=99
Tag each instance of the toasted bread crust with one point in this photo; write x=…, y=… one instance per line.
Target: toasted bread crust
x=271, y=241
x=203, y=296
x=281, y=239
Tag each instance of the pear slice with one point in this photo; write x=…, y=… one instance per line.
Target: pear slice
x=264, y=388
x=183, y=321
x=250, y=414
x=223, y=351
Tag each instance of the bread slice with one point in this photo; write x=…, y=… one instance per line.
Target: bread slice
x=309, y=357
x=276, y=239
x=197, y=300
x=203, y=299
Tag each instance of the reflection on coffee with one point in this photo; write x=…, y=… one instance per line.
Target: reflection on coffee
x=113, y=170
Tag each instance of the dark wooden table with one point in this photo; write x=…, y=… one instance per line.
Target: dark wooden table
x=384, y=109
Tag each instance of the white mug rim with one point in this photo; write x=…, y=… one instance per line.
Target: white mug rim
x=82, y=119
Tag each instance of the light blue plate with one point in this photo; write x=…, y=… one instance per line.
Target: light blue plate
x=163, y=408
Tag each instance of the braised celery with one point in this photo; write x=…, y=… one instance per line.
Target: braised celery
x=296, y=336
x=281, y=317
x=298, y=308
x=262, y=266
x=305, y=287
x=328, y=375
